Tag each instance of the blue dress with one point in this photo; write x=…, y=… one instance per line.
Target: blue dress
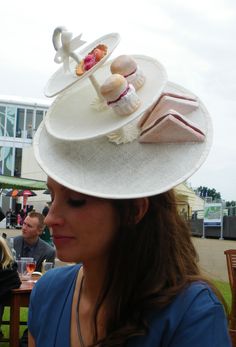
x=194, y=318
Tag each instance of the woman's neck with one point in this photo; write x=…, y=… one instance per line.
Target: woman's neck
x=94, y=275
x=90, y=281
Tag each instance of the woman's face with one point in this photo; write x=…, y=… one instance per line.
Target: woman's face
x=83, y=226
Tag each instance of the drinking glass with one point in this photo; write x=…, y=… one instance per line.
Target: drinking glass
x=26, y=258
x=30, y=267
x=46, y=266
x=21, y=266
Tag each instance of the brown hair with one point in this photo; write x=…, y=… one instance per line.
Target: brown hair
x=150, y=263
x=40, y=218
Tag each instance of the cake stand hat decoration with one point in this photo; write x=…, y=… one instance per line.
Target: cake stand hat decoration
x=65, y=47
x=67, y=53
x=88, y=71
x=149, y=138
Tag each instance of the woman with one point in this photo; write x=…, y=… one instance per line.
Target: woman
x=136, y=281
x=139, y=281
x=9, y=277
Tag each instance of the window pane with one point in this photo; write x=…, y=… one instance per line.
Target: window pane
x=11, y=114
x=20, y=122
x=29, y=123
x=2, y=120
x=1, y=159
x=18, y=158
x=39, y=118
x=8, y=161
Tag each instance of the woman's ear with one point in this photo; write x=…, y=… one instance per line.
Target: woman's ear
x=141, y=207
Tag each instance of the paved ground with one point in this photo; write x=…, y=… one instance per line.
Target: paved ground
x=10, y=232
x=211, y=254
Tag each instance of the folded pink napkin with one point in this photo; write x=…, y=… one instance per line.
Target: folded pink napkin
x=171, y=127
x=182, y=103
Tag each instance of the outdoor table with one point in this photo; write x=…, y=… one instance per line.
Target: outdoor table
x=16, y=299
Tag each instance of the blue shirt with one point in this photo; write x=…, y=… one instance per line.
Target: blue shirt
x=194, y=318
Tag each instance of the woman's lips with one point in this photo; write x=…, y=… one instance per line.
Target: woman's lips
x=61, y=240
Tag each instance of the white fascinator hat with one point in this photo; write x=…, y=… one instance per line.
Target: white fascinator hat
x=85, y=145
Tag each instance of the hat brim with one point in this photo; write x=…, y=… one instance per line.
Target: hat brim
x=99, y=168
x=60, y=80
x=71, y=118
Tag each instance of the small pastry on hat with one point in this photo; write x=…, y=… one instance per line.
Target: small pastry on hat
x=120, y=95
x=91, y=59
x=126, y=66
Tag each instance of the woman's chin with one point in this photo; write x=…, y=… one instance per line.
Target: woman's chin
x=66, y=257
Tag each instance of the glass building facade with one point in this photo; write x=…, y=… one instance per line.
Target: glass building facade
x=19, y=119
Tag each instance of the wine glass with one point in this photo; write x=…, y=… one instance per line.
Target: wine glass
x=47, y=266
x=30, y=267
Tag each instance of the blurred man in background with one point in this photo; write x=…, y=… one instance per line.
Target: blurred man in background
x=29, y=244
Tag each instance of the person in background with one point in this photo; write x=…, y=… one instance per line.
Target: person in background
x=9, y=277
x=8, y=218
x=29, y=243
x=46, y=234
x=22, y=216
x=45, y=210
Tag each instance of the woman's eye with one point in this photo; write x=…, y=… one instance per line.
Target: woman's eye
x=76, y=202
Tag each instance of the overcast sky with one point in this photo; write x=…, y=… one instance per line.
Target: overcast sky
x=194, y=40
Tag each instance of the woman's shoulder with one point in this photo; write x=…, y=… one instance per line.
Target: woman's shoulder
x=9, y=279
x=194, y=297
x=195, y=310
x=195, y=317
x=195, y=300
x=199, y=291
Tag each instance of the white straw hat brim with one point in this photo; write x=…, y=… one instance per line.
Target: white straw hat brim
x=100, y=168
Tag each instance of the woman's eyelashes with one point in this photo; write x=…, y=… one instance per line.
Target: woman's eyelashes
x=76, y=202
x=73, y=202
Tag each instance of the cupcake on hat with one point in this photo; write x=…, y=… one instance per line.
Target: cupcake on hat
x=126, y=66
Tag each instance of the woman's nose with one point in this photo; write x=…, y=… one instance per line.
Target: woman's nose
x=54, y=216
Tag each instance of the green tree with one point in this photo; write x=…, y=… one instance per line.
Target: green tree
x=230, y=203
x=204, y=192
